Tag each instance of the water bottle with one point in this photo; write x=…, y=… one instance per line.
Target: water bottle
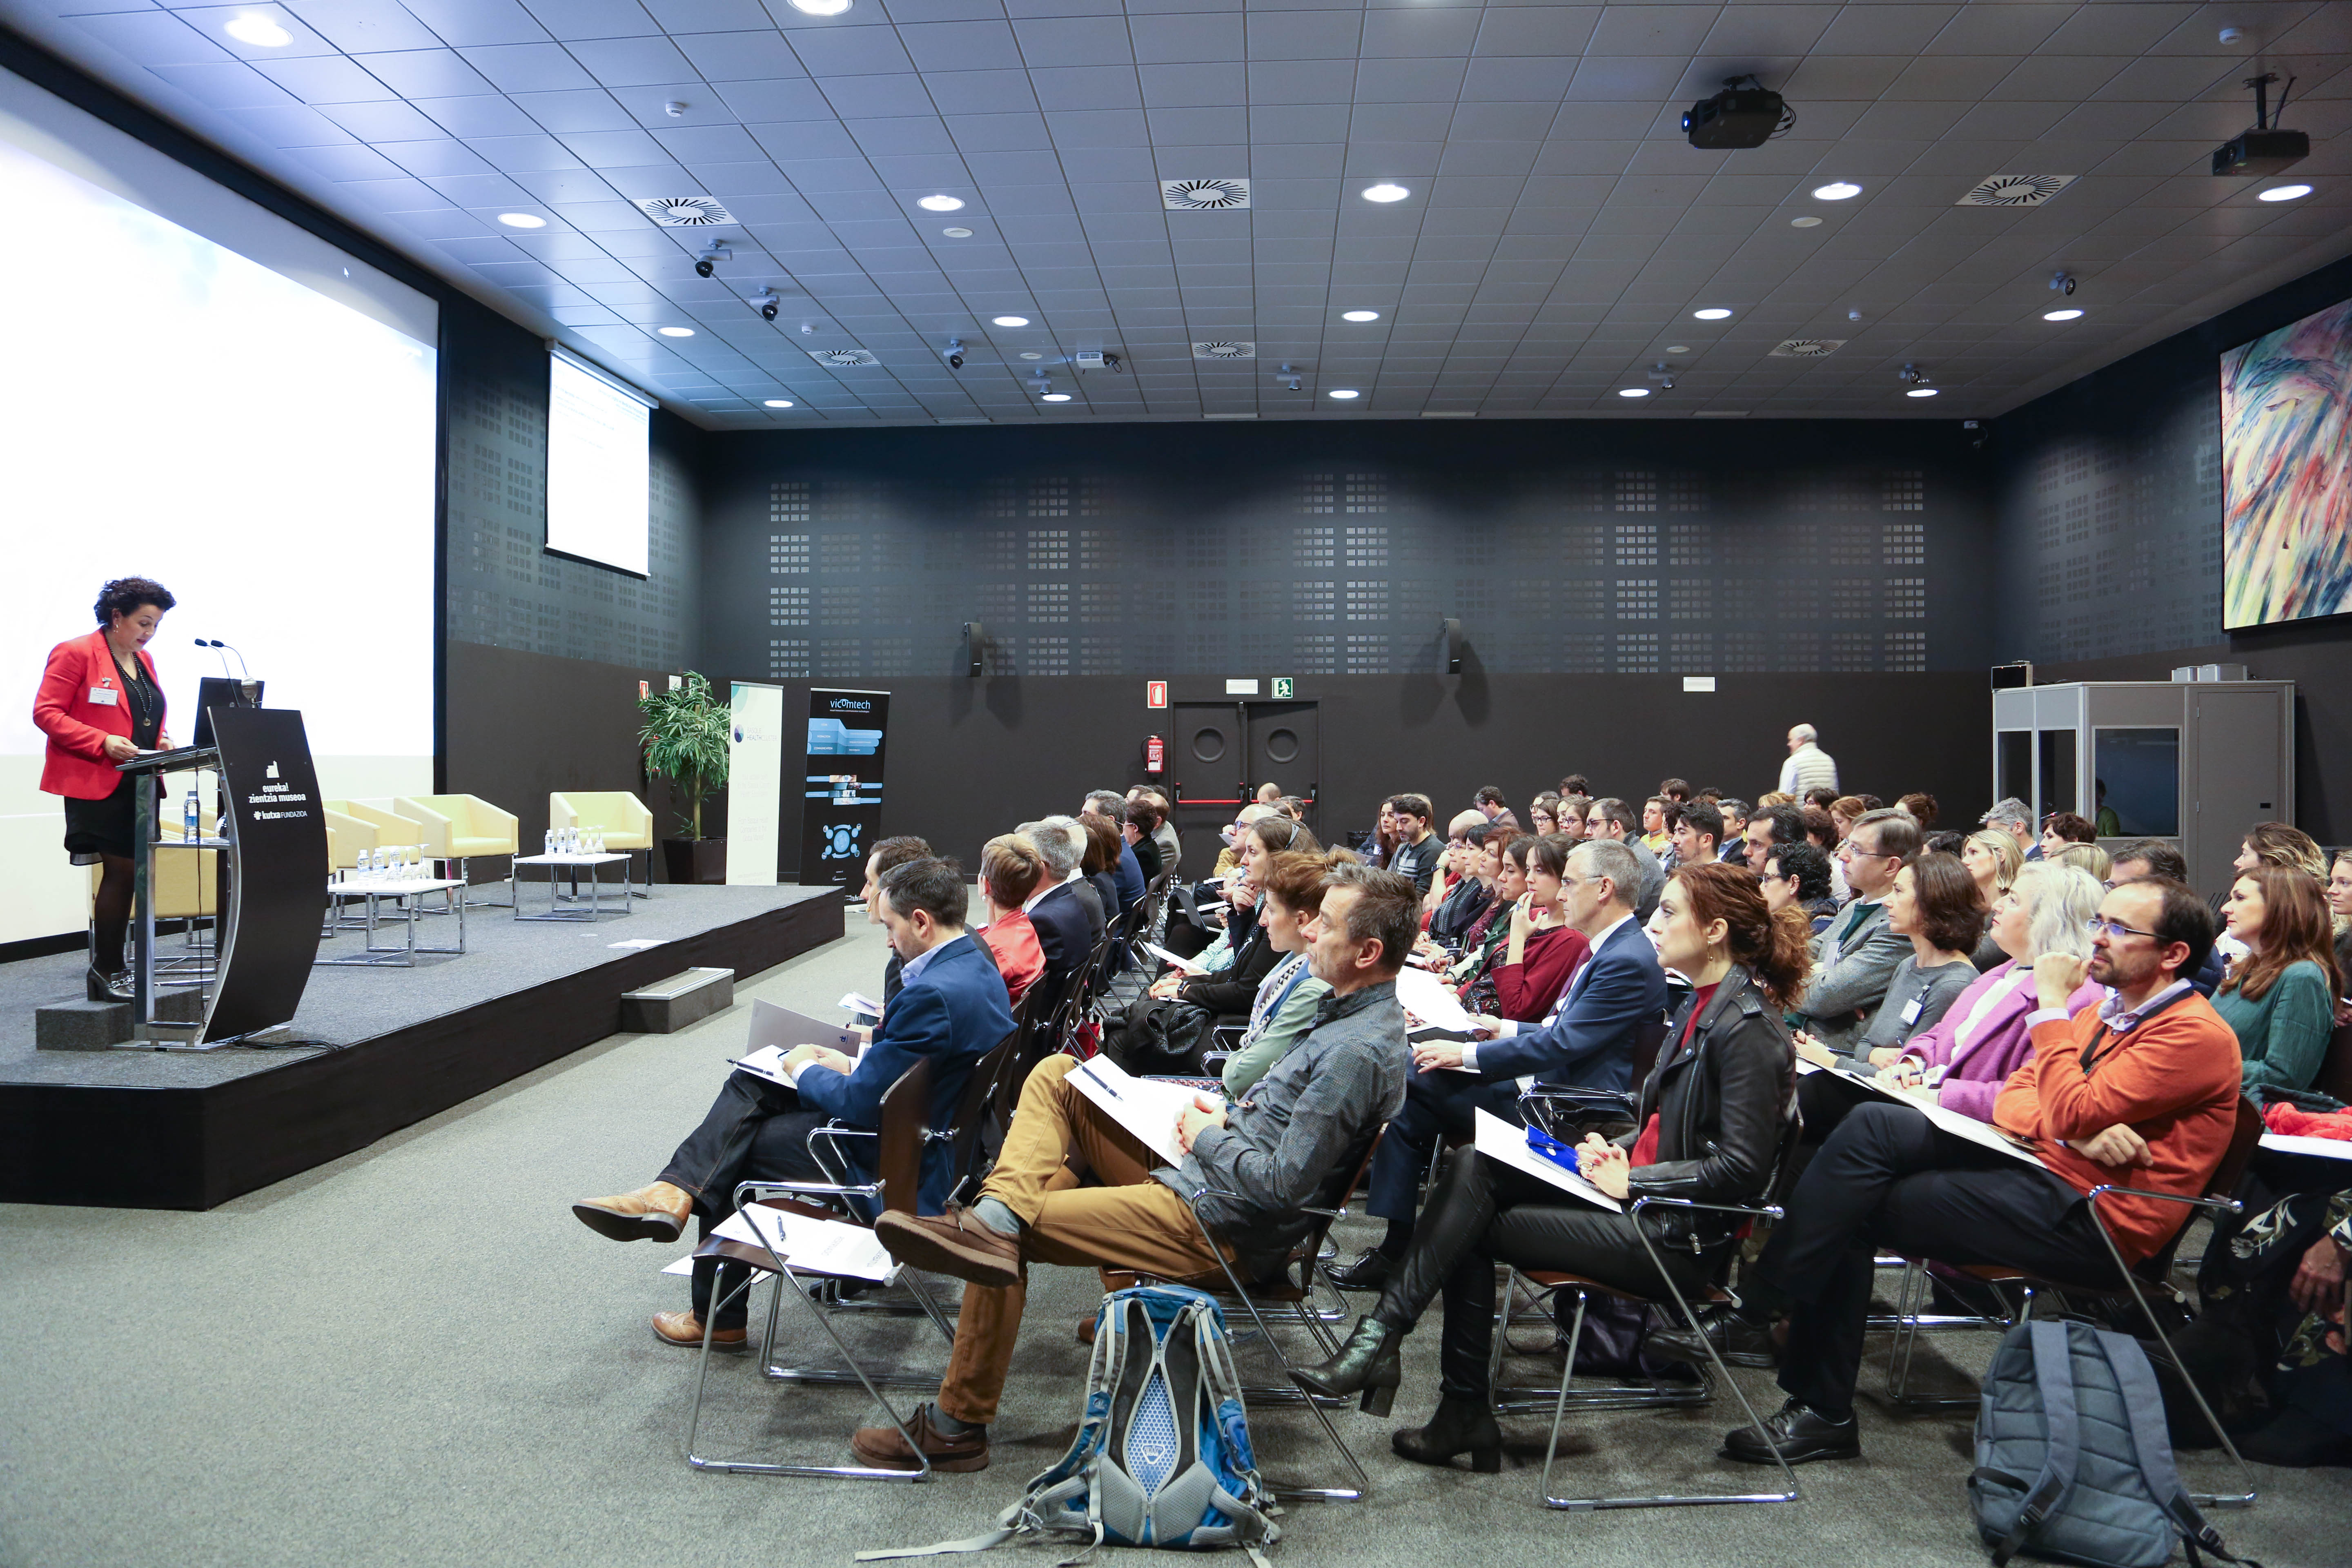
x=191, y=824
x=550, y=841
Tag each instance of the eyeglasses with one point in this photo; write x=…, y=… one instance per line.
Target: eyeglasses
x=2113, y=929
x=1852, y=853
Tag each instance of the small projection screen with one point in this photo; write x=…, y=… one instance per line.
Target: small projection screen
x=597, y=501
x=2286, y=473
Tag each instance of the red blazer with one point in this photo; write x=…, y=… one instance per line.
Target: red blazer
x=77, y=727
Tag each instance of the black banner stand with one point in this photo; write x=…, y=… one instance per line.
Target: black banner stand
x=273, y=846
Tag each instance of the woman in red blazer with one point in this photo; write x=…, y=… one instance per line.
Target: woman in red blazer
x=101, y=704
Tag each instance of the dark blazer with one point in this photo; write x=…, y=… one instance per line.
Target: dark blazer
x=1127, y=877
x=1721, y=1103
x=1147, y=859
x=1063, y=934
x=954, y=1012
x=1590, y=1043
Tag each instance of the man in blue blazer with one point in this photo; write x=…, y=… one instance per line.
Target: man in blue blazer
x=1064, y=920
x=1587, y=1042
x=951, y=1008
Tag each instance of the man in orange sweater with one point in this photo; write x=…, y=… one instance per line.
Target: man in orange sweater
x=2140, y=1091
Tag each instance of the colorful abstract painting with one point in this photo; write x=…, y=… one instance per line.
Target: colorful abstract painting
x=2286, y=473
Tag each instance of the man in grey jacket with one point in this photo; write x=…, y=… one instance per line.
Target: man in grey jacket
x=1856, y=955
x=1303, y=1127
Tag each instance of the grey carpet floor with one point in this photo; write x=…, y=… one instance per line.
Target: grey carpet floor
x=416, y=1357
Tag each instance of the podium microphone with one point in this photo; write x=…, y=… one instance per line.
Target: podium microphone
x=224, y=657
x=240, y=657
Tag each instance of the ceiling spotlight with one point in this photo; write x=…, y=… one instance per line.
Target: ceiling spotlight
x=1632, y=392
x=523, y=220
x=1912, y=373
x=1055, y=397
x=767, y=302
x=1346, y=395
x=1031, y=354
x=713, y=252
x=820, y=7
x=1712, y=313
x=1836, y=191
x=1807, y=221
x=1375, y=315
x=778, y=403
x=941, y=203
x=1854, y=315
x=261, y=31
x=2068, y=314
x=1385, y=192
x=2064, y=282
x=2283, y=193
x=676, y=332
x=954, y=350
x=1922, y=392
x=1010, y=321
x=957, y=233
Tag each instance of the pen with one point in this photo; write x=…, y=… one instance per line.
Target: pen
x=1104, y=1084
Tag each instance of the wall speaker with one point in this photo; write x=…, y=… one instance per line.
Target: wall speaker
x=975, y=647
x=1451, y=629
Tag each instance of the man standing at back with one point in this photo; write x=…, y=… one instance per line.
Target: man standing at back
x=1808, y=767
x=1857, y=955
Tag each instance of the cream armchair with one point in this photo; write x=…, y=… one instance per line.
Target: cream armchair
x=389, y=828
x=348, y=838
x=616, y=814
x=459, y=827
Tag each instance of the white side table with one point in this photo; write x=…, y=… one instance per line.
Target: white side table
x=410, y=891
x=594, y=865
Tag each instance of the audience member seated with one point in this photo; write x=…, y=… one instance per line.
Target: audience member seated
x=1063, y=910
x=1231, y=834
x=1098, y=862
x=1570, y=813
x=1227, y=994
x=1857, y=955
x=1798, y=876
x=2013, y=816
x=2155, y=857
x=1612, y=819
x=1709, y=1126
x=1316, y=1107
x=1845, y=812
x=1541, y=817
x=1657, y=826
x=2272, y=1331
x=2339, y=905
x=1139, y=824
x=1164, y=833
x=1472, y=974
x=1772, y=824
x=1944, y=841
x=1697, y=833
x=1418, y=846
x=1455, y=862
x=1009, y=872
x=1127, y=873
x=1934, y=904
x=1385, y=837
x=1287, y=1000
x=890, y=852
x=2061, y=828
x=1587, y=1041
x=951, y=1007
x=1922, y=808
x=1540, y=950
x=2139, y=1092
x=1470, y=856
x=2087, y=857
x=1994, y=859
x=2279, y=996
x=2281, y=843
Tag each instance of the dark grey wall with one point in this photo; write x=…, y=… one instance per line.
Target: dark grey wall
x=2109, y=538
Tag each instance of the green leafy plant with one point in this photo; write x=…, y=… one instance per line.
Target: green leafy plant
x=684, y=740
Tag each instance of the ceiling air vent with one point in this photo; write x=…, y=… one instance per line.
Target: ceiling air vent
x=1807, y=348
x=842, y=356
x=2016, y=190
x=684, y=211
x=1225, y=351
x=1203, y=196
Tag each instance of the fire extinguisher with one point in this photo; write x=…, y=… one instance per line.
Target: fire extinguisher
x=1155, y=755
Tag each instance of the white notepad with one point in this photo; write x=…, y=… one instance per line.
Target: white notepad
x=1506, y=1143
x=1429, y=1001
x=1146, y=1109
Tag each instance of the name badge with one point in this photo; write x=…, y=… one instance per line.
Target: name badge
x=104, y=696
x=1911, y=1011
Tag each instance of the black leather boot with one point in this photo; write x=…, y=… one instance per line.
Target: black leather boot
x=1459, y=1427
x=1367, y=1363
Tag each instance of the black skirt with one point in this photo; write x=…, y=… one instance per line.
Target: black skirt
x=106, y=827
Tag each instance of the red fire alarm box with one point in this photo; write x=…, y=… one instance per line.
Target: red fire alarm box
x=1155, y=755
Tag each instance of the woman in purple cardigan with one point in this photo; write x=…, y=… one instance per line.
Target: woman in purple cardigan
x=1981, y=1039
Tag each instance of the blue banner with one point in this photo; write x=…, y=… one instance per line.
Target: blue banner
x=841, y=814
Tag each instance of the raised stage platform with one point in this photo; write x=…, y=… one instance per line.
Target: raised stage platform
x=188, y=1130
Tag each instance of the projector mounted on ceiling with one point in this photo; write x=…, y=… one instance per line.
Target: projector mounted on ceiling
x=1738, y=116
x=2265, y=149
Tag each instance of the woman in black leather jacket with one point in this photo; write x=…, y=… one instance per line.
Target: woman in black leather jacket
x=1708, y=1128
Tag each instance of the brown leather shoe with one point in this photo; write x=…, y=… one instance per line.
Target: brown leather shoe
x=953, y=1243
x=657, y=1213
x=883, y=1448
x=684, y=1330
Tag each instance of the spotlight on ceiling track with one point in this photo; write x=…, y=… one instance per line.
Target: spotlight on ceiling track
x=767, y=301
x=706, y=260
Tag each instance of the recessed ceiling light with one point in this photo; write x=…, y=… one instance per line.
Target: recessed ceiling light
x=821, y=8
x=523, y=220
x=1836, y=191
x=1922, y=392
x=1031, y=354
x=1010, y=321
x=941, y=203
x=262, y=32
x=1385, y=192
x=1055, y=397
x=779, y=402
x=1359, y=315
x=1345, y=395
x=1712, y=313
x=1806, y=221
x=1678, y=348
x=676, y=332
x=957, y=233
x=2283, y=193
x=1632, y=392
x=2069, y=314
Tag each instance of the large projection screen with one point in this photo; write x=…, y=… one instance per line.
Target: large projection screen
x=599, y=505
x=2286, y=473
x=200, y=393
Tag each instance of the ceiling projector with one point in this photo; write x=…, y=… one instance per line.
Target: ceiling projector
x=1735, y=117
x=2265, y=149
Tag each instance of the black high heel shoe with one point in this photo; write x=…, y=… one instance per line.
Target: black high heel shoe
x=105, y=987
x=1459, y=1427
x=1370, y=1363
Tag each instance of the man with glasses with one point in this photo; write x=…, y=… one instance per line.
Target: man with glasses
x=2138, y=1093
x=1856, y=956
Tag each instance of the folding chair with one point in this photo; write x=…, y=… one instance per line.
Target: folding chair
x=899, y=1143
x=1550, y=1281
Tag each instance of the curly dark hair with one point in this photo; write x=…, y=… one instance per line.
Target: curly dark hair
x=1950, y=912
x=123, y=596
x=1776, y=948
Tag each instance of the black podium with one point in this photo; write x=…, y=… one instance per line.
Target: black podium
x=272, y=840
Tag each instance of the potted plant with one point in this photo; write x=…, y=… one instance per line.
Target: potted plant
x=684, y=740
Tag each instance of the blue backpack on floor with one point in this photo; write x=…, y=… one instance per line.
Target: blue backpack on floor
x=2072, y=1459
x=1162, y=1455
